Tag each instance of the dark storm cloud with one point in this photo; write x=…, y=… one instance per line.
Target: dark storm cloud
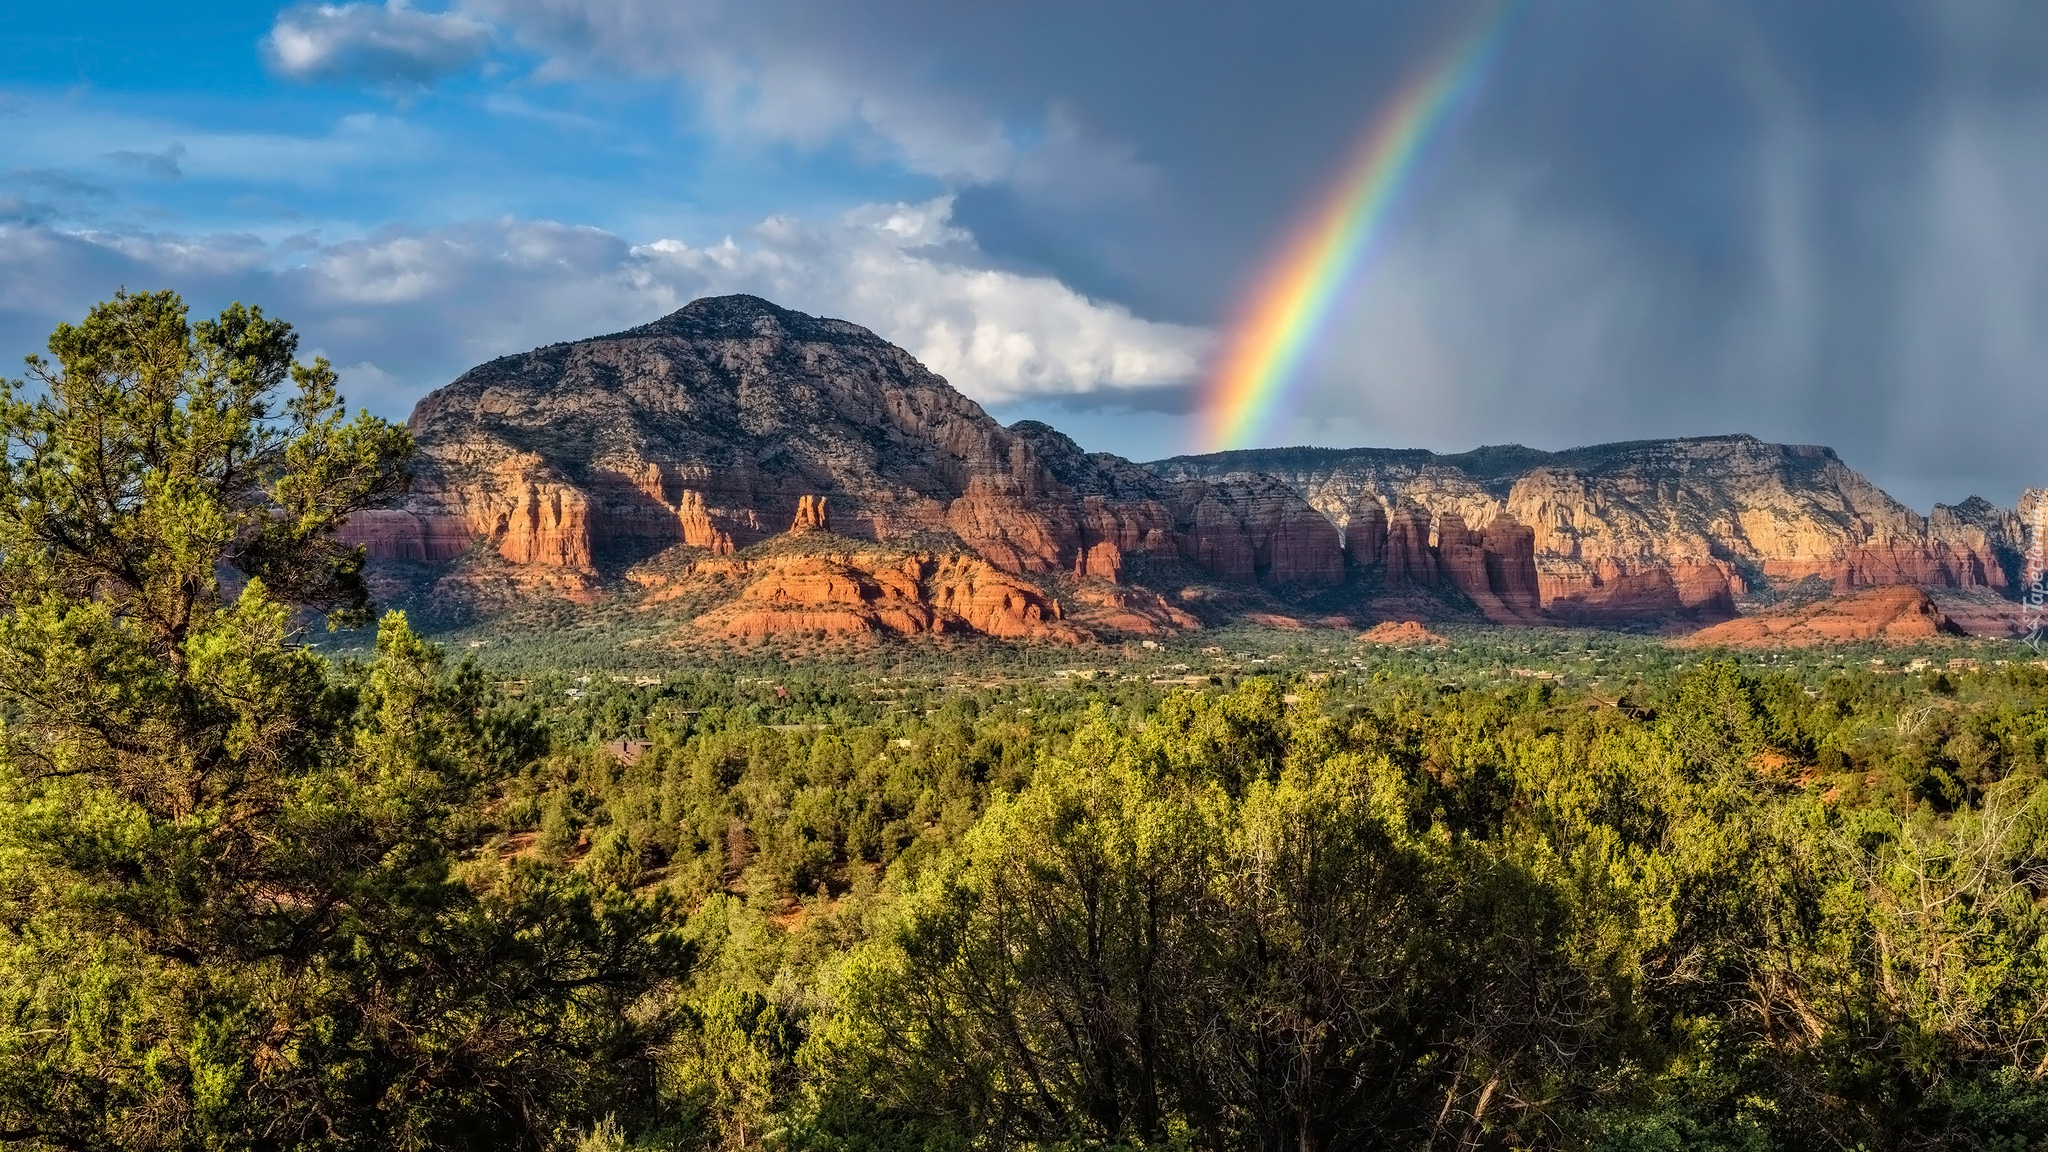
x=1816, y=221
x=1162, y=144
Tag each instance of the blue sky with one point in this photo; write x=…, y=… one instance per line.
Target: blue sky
x=1816, y=221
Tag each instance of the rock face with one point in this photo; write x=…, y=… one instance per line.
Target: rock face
x=1365, y=534
x=1409, y=558
x=1893, y=614
x=816, y=585
x=1648, y=530
x=1982, y=613
x=1495, y=568
x=1511, y=565
x=730, y=420
x=810, y=513
x=850, y=593
x=1254, y=530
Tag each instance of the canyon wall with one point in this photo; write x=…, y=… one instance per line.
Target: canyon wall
x=1495, y=567
x=1644, y=530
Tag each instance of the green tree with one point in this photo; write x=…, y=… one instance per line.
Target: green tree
x=735, y=1065
x=1227, y=927
x=231, y=913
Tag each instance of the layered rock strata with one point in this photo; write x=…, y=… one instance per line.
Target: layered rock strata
x=1643, y=530
x=823, y=586
x=730, y=421
x=722, y=423
x=1494, y=568
x=852, y=593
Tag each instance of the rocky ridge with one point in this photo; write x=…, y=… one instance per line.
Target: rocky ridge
x=1645, y=530
x=732, y=421
x=1900, y=613
x=782, y=473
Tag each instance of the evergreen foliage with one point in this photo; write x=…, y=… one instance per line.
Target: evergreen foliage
x=1535, y=891
x=231, y=913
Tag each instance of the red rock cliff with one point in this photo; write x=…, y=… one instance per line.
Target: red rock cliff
x=716, y=426
x=1409, y=558
x=1651, y=529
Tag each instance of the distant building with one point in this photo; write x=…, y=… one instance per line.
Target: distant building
x=626, y=751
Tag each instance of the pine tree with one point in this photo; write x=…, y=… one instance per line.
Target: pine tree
x=230, y=908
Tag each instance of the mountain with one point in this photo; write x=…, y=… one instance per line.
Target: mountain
x=752, y=471
x=1648, y=529
x=561, y=471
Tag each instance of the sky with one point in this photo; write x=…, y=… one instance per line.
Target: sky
x=1817, y=221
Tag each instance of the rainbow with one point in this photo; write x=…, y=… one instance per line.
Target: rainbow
x=1294, y=296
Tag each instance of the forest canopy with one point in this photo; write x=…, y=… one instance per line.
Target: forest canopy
x=253, y=896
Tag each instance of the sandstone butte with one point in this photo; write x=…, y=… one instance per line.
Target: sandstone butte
x=1893, y=614
x=1401, y=634
x=810, y=477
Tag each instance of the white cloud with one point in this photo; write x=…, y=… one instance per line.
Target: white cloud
x=906, y=272
x=805, y=74
x=411, y=308
x=372, y=42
